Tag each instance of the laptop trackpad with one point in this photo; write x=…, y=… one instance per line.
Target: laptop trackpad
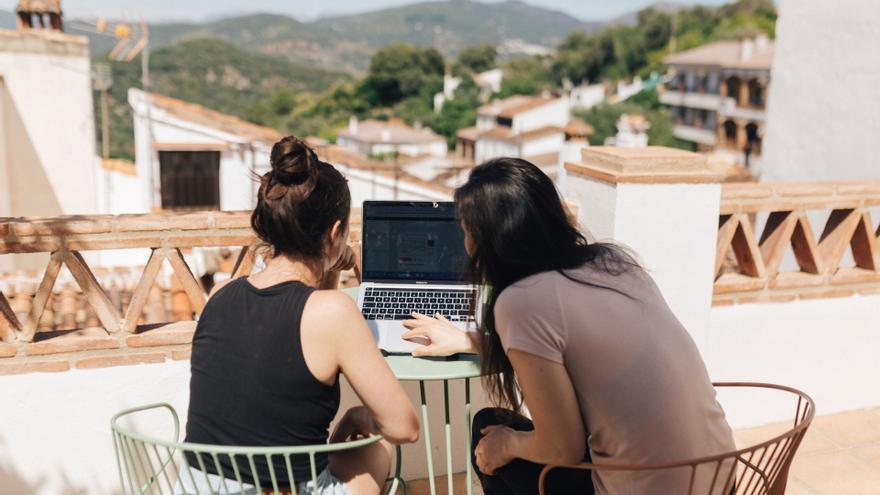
x=390, y=337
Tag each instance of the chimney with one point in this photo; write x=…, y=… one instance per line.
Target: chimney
x=746, y=49
x=353, y=124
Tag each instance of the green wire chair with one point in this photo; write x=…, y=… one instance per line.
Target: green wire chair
x=150, y=465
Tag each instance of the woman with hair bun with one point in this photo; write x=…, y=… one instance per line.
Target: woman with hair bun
x=269, y=348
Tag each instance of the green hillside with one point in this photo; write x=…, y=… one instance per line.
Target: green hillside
x=347, y=42
x=212, y=73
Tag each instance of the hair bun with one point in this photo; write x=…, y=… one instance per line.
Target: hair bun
x=294, y=168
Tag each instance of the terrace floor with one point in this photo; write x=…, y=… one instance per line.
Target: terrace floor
x=839, y=456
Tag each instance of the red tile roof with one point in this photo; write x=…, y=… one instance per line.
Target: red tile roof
x=216, y=120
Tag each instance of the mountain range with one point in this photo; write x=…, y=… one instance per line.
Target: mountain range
x=346, y=42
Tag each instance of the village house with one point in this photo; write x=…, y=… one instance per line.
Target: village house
x=376, y=138
x=488, y=81
x=717, y=95
x=529, y=127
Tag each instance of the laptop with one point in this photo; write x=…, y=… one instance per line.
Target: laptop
x=413, y=259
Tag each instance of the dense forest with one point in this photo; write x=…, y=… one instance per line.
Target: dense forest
x=403, y=77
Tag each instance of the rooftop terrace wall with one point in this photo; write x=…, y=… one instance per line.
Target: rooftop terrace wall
x=821, y=340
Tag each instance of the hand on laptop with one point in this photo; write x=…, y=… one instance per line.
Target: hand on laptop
x=444, y=338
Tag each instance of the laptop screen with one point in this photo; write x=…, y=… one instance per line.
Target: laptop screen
x=412, y=241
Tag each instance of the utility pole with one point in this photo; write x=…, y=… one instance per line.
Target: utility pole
x=102, y=80
x=156, y=183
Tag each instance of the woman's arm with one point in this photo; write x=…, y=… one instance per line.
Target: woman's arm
x=391, y=413
x=558, y=437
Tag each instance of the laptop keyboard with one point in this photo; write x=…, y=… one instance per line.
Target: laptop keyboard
x=398, y=304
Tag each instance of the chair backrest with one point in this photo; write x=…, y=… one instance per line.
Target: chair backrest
x=759, y=469
x=149, y=465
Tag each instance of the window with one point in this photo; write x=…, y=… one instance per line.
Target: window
x=190, y=179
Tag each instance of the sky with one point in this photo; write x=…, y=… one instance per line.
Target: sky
x=155, y=10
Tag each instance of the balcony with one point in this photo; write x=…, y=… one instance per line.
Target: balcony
x=703, y=101
x=729, y=109
x=707, y=137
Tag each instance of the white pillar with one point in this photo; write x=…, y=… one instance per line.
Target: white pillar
x=663, y=204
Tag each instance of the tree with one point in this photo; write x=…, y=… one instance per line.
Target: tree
x=478, y=58
x=604, y=117
x=656, y=26
x=402, y=70
x=525, y=76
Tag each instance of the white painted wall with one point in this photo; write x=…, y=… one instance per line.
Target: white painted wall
x=586, y=96
x=822, y=117
x=649, y=219
x=826, y=347
x=543, y=145
x=554, y=113
x=57, y=439
x=48, y=125
x=367, y=185
x=437, y=148
x=118, y=193
x=487, y=148
x=239, y=156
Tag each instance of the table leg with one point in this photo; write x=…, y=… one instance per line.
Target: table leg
x=427, y=428
x=448, y=431
x=467, y=412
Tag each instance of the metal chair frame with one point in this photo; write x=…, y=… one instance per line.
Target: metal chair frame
x=766, y=474
x=143, y=461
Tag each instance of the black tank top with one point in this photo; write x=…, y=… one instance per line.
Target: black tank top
x=250, y=385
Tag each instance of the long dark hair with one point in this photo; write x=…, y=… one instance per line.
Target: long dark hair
x=518, y=227
x=299, y=200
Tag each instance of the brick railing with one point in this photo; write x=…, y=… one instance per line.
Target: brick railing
x=117, y=337
x=749, y=264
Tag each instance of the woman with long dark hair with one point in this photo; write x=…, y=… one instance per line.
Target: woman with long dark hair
x=579, y=334
x=269, y=348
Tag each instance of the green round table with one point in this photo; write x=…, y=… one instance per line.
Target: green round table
x=461, y=367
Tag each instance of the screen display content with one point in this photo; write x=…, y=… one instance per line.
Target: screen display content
x=412, y=241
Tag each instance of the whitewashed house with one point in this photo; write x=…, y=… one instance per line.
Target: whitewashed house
x=530, y=127
x=488, y=81
x=632, y=132
x=586, y=96
x=188, y=156
x=394, y=137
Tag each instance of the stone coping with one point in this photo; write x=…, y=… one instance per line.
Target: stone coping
x=94, y=347
x=778, y=196
x=164, y=229
x=648, y=165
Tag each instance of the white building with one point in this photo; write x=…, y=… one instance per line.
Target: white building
x=197, y=158
x=47, y=134
x=383, y=180
x=530, y=127
x=378, y=138
x=632, y=132
x=586, y=96
x=488, y=81
x=717, y=95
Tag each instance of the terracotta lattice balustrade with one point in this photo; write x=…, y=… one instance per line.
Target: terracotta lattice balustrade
x=114, y=333
x=750, y=263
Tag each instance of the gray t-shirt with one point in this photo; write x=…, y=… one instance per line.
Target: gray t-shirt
x=644, y=393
